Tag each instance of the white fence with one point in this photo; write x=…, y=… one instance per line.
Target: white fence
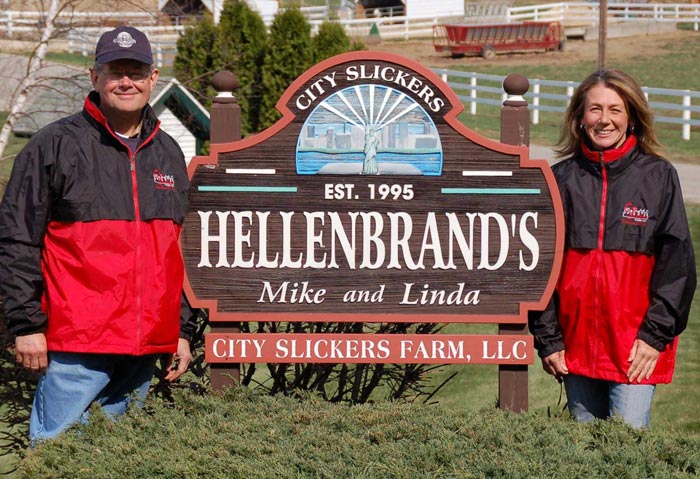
x=588, y=13
x=391, y=28
x=669, y=106
x=20, y=22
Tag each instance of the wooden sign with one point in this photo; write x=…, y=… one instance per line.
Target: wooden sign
x=369, y=201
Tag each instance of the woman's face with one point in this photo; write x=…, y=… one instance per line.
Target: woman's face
x=605, y=118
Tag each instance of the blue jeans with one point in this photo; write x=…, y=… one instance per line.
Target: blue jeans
x=591, y=399
x=73, y=381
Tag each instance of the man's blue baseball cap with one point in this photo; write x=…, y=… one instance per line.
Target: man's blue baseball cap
x=124, y=43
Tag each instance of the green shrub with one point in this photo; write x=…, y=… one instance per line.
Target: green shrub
x=330, y=40
x=289, y=54
x=240, y=46
x=194, y=62
x=244, y=435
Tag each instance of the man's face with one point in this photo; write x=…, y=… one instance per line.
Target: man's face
x=124, y=86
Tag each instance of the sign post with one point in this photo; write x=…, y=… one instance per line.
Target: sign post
x=225, y=128
x=370, y=202
x=515, y=130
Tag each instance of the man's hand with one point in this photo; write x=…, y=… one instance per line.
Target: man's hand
x=643, y=361
x=177, y=364
x=555, y=364
x=31, y=352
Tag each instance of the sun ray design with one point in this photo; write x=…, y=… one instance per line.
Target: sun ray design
x=393, y=107
x=387, y=95
x=398, y=115
x=360, y=99
x=350, y=107
x=341, y=115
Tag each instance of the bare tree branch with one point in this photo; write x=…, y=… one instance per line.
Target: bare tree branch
x=56, y=18
x=35, y=61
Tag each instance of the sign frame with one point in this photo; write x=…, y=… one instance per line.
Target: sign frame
x=451, y=119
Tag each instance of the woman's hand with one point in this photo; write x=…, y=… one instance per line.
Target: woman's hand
x=555, y=364
x=643, y=361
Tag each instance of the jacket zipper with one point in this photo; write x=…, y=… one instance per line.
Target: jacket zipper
x=137, y=217
x=139, y=281
x=603, y=203
x=599, y=247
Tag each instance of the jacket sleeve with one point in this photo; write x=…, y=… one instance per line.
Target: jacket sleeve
x=673, y=279
x=544, y=326
x=188, y=319
x=24, y=213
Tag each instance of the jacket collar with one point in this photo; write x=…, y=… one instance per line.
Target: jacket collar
x=612, y=154
x=616, y=160
x=150, y=122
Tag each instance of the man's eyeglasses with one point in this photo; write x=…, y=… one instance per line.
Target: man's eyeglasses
x=114, y=76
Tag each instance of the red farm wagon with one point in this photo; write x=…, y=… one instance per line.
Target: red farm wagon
x=489, y=39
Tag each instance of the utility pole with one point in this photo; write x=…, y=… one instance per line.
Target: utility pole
x=602, y=33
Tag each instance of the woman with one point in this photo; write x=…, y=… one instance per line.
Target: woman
x=628, y=275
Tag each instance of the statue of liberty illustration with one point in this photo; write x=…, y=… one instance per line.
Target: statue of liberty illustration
x=370, y=166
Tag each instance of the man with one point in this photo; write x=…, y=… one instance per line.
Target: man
x=91, y=272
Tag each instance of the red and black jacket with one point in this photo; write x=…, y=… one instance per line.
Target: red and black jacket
x=628, y=270
x=89, y=238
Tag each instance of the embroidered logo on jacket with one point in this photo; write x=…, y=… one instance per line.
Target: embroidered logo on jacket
x=163, y=181
x=632, y=215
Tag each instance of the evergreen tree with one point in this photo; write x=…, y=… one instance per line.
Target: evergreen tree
x=289, y=53
x=240, y=46
x=330, y=40
x=193, y=65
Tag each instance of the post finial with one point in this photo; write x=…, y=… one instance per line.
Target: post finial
x=225, y=83
x=515, y=86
